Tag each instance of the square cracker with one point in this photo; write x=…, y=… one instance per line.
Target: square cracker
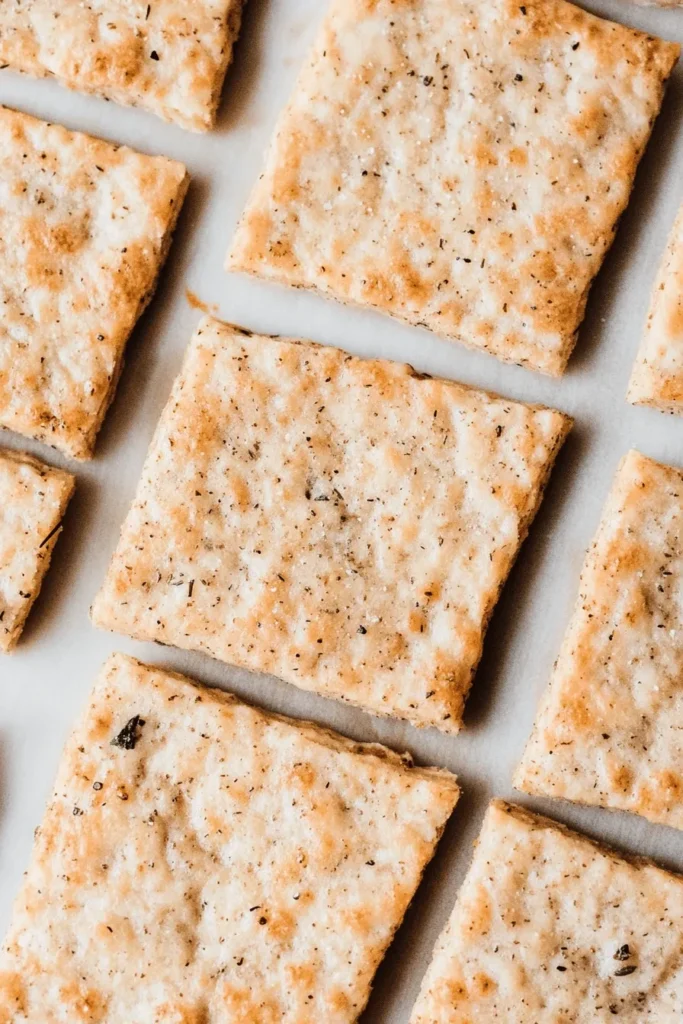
x=657, y=378
x=342, y=523
x=459, y=165
x=85, y=226
x=201, y=860
x=609, y=728
x=551, y=927
x=166, y=55
x=33, y=500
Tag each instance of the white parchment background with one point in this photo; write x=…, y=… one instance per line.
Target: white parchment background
x=43, y=685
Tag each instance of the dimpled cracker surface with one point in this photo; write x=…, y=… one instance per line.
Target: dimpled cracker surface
x=342, y=523
x=459, y=165
x=84, y=228
x=166, y=55
x=609, y=728
x=549, y=927
x=202, y=861
x=657, y=377
x=33, y=500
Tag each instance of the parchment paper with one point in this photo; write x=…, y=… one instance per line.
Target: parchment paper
x=45, y=683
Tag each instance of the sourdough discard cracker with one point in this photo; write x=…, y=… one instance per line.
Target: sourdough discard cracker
x=166, y=55
x=201, y=860
x=84, y=229
x=460, y=165
x=657, y=377
x=551, y=927
x=609, y=728
x=343, y=523
x=33, y=500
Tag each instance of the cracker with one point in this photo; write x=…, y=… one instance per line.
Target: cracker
x=204, y=861
x=458, y=165
x=657, y=378
x=33, y=500
x=84, y=230
x=608, y=731
x=342, y=523
x=165, y=55
x=551, y=927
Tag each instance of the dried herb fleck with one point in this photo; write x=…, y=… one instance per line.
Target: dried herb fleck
x=50, y=535
x=130, y=734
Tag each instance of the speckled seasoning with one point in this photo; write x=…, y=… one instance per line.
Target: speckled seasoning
x=459, y=165
x=33, y=500
x=232, y=867
x=550, y=927
x=84, y=229
x=657, y=378
x=345, y=524
x=609, y=728
x=166, y=55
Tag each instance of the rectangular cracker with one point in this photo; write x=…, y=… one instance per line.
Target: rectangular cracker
x=165, y=55
x=201, y=860
x=657, y=378
x=549, y=926
x=459, y=165
x=609, y=728
x=85, y=227
x=342, y=523
x=33, y=500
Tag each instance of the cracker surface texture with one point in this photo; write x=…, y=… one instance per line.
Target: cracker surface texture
x=166, y=55
x=33, y=500
x=609, y=728
x=459, y=165
x=657, y=378
x=201, y=860
x=550, y=927
x=342, y=523
x=84, y=229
